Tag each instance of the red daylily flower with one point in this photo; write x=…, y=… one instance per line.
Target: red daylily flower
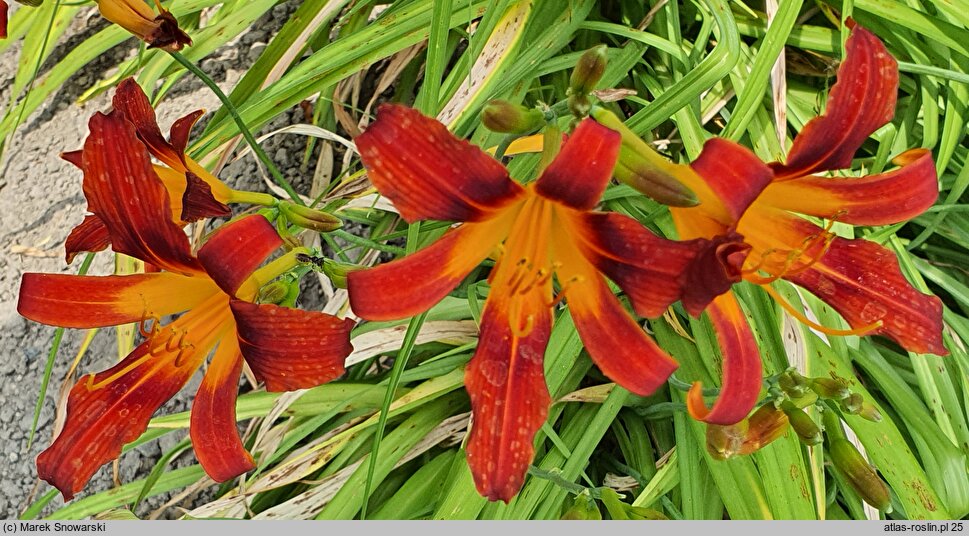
x=752, y=209
x=194, y=193
x=545, y=228
x=286, y=348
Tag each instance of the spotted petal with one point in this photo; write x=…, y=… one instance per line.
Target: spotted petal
x=429, y=173
x=237, y=249
x=75, y=301
x=111, y=408
x=742, y=368
x=616, y=343
x=413, y=284
x=291, y=349
x=881, y=199
x=862, y=281
x=509, y=400
x=860, y=102
x=123, y=190
x=648, y=268
x=215, y=435
x=580, y=172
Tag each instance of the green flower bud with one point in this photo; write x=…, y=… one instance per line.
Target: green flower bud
x=337, y=272
x=793, y=384
x=804, y=426
x=279, y=292
x=588, y=71
x=644, y=169
x=829, y=388
x=505, y=117
x=859, y=474
x=853, y=404
x=309, y=218
x=870, y=412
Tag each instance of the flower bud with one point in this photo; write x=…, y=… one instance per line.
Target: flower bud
x=588, y=71
x=869, y=412
x=583, y=509
x=766, y=424
x=852, y=404
x=804, y=426
x=279, y=292
x=159, y=31
x=793, y=384
x=859, y=474
x=505, y=117
x=337, y=272
x=644, y=169
x=309, y=218
x=829, y=388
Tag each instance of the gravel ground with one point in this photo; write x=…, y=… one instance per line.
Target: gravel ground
x=40, y=201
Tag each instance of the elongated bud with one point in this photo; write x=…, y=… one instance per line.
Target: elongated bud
x=159, y=31
x=870, y=412
x=860, y=475
x=643, y=169
x=852, y=404
x=309, y=218
x=584, y=508
x=280, y=292
x=588, y=71
x=337, y=272
x=804, y=401
x=829, y=388
x=804, y=426
x=505, y=117
x=766, y=424
x=793, y=384
x=724, y=442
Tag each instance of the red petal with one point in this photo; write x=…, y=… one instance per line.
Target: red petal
x=237, y=249
x=742, y=367
x=213, y=429
x=3, y=19
x=75, y=301
x=880, y=199
x=111, y=408
x=123, y=190
x=130, y=101
x=291, y=349
x=648, y=268
x=429, y=173
x=613, y=339
x=74, y=157
x=716, y=267
x=863, y=282
x=860, y=102
x=198, y=201
x=579, y=174
x=735, y=175
x=413, y=284
x=90, y=235
x=509, y=400
x=182, y=129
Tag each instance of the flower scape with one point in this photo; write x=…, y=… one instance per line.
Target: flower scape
x=601, y=282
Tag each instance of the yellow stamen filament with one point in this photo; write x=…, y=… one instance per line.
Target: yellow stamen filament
x=823, y=329
x=791, y=257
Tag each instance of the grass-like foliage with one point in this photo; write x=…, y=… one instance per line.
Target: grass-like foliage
x=387, y=439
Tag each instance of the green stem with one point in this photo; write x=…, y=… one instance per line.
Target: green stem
x=363, y=242
x=260, y=154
